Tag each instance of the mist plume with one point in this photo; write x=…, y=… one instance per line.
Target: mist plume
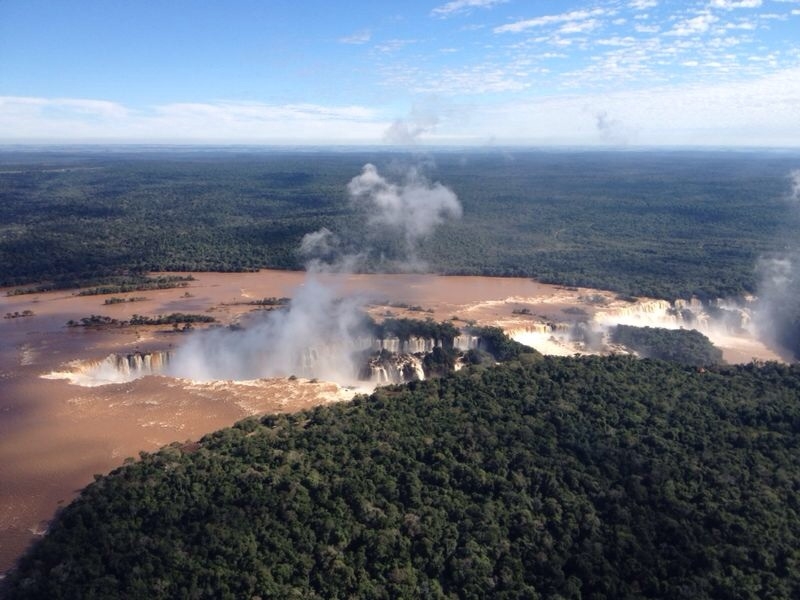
x=610, y=130
x=321, y=334
x=316, y=336
x=406, y=131
x=411, y=210
x=778, y=314
x=795, y=178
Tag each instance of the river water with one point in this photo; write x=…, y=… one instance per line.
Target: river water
x=54, y=436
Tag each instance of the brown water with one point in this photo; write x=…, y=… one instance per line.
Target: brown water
x=55, y=436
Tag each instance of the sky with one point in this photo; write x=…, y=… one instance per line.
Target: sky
x=478, y=73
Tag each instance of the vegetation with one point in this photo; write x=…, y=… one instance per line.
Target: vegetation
x=271, y=301
x=660, y=224
x=139, y=283
x=543, y=478
x=18, y=314
x=494, y=341
x=404, y=329
x=171, y=319
x=409, y=307
x=105, y=284
x=96, y=321
x=683, y=346
x=116, y=300
x=547, y=478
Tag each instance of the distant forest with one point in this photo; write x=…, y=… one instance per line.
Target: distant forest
x=556, y=478
x=663, y=224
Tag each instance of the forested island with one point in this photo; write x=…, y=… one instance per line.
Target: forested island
x=170, y=319
x=542, y=478
x=660, y=224
x=683, y=346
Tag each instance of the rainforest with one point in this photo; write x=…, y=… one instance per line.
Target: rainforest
x=543, y=478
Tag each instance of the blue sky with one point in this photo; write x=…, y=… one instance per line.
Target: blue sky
x=473, y=72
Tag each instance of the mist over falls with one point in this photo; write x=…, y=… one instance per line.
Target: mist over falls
x=365, y=353
x=371, y=359
x=323, y=334
x=778, y=313
x=727, y=324
x=317, y=336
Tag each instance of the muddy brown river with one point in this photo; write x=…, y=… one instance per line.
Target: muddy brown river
x=54, y=436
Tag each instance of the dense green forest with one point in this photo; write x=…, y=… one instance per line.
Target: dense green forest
x=664, y=224
x=542, y=478
x=683, y=346
x=405, y=329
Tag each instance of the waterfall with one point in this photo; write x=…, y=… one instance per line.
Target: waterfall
x=397, y=368
x=466, y=342
x=114, y=368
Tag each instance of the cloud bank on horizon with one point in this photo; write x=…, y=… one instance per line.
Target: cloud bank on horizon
x=710, y=72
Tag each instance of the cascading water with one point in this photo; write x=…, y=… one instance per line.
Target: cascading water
x=465, y=342
x=395, y=368
x=412, y=345
x=728, y=324
x=388, y=360
x=114, y=368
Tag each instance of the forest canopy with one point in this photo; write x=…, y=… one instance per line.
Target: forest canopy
x=684, y=346
x=542, y=478
x=661, y=224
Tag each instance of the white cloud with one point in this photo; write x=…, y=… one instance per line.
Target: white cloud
x=693, y=26
x=617, y=41
x=421, y=120
x=761, y=112
x=359, y=37
x=646, y=28
x=579, y=26
x=743, y=25
x=97, y=110
x=461, y=6
x=468, y=80
x=23, y=118
x=393, y=45
x=733, y=4
x=643, y=4
x=576, y=15
x=757, y=112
